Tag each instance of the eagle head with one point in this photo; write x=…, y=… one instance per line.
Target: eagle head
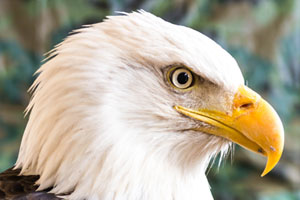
x=135, y=108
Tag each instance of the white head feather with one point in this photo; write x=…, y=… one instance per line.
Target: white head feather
x=102, y=124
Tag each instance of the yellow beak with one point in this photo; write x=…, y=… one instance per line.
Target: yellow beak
x=252, y=123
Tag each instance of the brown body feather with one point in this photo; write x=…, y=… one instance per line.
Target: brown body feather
x=15, y=187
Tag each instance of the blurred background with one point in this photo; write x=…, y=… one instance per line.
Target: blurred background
x=263, y=35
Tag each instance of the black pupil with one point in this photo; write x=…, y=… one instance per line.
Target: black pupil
x=183, y=78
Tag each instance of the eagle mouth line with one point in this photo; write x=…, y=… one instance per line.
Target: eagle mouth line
x=213, y=128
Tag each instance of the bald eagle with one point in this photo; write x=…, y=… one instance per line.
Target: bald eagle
x=136, y=108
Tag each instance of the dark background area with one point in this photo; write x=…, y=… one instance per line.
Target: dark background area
x=263, y=35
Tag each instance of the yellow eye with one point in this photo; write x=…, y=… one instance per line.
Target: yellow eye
x=181, y=78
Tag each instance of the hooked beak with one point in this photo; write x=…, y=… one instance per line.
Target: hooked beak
x=252, y=123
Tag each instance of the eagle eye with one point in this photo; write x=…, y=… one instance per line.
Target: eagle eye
x=181, y=78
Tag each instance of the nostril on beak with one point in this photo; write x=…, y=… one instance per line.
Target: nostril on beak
x=246, y=106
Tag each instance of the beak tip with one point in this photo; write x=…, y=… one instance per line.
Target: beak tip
x=273, y=159
x=265, y=172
